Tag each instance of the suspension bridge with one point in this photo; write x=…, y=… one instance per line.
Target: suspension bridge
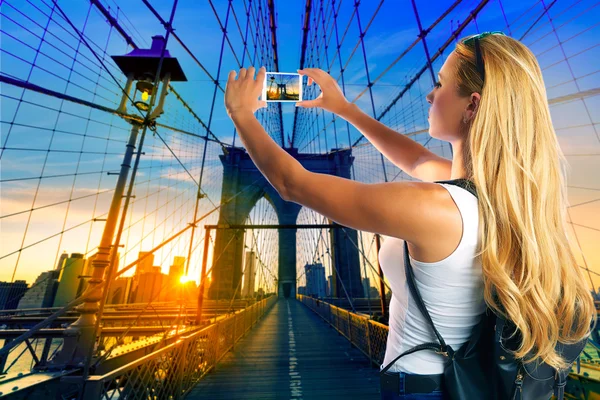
x=143, y=255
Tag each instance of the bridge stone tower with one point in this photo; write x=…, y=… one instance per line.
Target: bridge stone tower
x=239, y=172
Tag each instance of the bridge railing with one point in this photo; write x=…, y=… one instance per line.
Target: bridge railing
x=169, y=373
x=366, y=335
x=370, y=337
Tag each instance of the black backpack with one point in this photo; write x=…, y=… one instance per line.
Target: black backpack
x=484, y=367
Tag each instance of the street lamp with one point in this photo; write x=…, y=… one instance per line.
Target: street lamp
x=140, y=65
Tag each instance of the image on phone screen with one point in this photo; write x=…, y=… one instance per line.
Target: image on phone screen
x=282, y=87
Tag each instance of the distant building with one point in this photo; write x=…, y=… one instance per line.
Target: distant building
x=207, y=285
x=141, y=268
x=61, y=260
x=176, y=271
x=190, y=292
x=11, y=293
x=118, y=292
x=374, y=294
x=179, y=261
x=315, y=280
x=42, y=292
x=366, y=283
x=146, y=264
x=68, y=283
x=249, y=274
x=330, y=287
x=149, y=286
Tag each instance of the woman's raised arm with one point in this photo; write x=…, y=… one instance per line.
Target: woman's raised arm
x=399, y=149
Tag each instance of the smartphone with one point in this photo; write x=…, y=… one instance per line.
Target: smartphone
x=282, y=87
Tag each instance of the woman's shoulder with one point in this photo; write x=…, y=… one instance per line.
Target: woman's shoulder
x=449, y=231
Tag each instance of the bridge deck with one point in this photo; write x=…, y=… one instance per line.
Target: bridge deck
x=291, y=354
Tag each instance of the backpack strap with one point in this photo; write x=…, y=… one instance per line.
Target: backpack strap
x=410, y=278
x=463, y=183
x=445, y=350
x=559, y=384
x=499, y=328
x=425, y=346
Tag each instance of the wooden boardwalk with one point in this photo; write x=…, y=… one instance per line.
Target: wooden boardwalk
x=291, y=354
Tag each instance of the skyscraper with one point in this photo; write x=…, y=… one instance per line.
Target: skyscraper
x=315, y=280
x=176, y=271
x=179, y=261
x=141, y=268
x=118, y=292
x=146, y=264
x=366, y=287
x=189, y=292
x=149, y=287
x=61, y=260
x=11, y=293
x=249, y=274
x=41, y=294
x=68, y=283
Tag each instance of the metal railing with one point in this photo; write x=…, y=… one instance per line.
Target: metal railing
x=119, y=322
x=370, y=337
x=366, y=335
x=171, y=372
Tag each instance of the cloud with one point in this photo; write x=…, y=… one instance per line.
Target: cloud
x=359, y=74
x=389, y=44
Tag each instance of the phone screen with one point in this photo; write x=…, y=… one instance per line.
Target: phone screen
x=282, y=87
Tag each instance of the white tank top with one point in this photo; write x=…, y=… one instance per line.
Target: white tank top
x=452, y=290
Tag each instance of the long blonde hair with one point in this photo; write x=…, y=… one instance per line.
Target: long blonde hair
x=517, y=165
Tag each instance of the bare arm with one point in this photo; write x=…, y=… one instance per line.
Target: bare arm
x=402, y=151
x=432, y=168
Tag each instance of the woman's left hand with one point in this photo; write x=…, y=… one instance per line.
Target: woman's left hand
x=242, y=94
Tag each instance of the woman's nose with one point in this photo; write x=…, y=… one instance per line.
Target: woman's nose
x=429, y=98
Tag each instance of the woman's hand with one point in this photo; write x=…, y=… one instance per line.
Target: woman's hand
x=242, y=95
x=331, y=98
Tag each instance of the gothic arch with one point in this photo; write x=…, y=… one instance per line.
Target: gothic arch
x=241, y=177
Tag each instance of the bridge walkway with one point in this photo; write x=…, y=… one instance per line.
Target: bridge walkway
x=291, y=354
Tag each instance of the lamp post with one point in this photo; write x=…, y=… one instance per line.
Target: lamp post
x=140, y=65
x=199, y=309
x=145, y=67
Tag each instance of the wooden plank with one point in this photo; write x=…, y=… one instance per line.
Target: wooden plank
x=291, y=354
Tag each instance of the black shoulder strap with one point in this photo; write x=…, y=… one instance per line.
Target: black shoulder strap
x=410, y=278
x=463, y=183
x=425, y=346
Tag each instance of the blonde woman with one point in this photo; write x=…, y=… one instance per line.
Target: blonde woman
x=490, y=104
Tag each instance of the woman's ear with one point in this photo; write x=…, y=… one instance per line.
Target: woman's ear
x=473, y=106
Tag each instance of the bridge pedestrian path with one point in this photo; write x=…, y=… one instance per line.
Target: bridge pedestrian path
x=291, y=354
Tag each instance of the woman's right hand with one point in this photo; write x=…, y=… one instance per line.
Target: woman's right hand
x=331, y=98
